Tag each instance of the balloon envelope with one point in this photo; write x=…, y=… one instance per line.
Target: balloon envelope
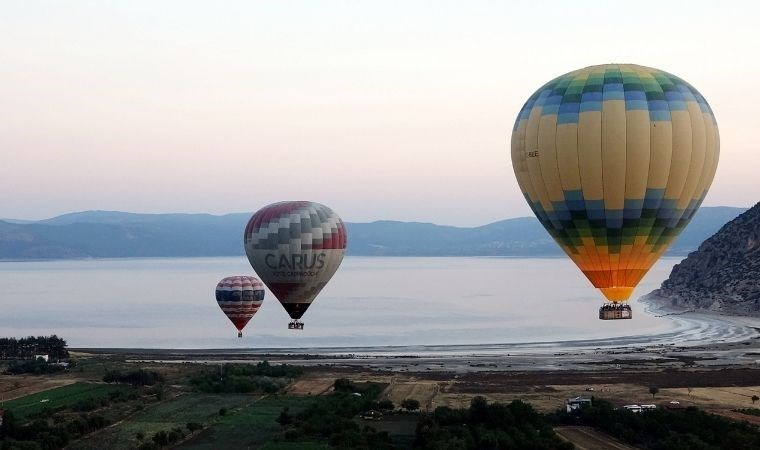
x=295, y=247
x=614, y=160
x=239, y=297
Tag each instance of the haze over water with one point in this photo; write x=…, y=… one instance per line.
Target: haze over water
x=169, y=303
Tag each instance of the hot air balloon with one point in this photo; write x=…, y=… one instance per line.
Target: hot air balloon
x=295, y=247
x=614, y=160
x=239, y=297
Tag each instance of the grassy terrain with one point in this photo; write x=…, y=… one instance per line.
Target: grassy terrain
x=282, y=445
x=253, y=426
x=163, y=416
x=64, y=396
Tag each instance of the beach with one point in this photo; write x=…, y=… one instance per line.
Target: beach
x=697, y=340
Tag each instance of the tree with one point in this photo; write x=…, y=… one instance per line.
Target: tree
x=342, y=385
x=285, y=419
x=410, y=404
x=654, y=390
x=689, y=390
x=755, y=398
x=386, y=404
x=161, y=438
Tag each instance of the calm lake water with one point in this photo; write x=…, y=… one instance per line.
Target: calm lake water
x=169, y=303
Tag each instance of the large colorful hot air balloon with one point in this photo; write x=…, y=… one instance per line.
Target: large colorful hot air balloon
x=239, y=297
x=295, y=247
x=615, y=160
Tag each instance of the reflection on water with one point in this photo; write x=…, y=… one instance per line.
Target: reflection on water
x=169, y=303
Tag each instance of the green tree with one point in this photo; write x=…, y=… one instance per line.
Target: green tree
x=161, y=438
x=410, y=404
x=342, y=385
x=386, y=404
x=654, y=390
x=285, y=418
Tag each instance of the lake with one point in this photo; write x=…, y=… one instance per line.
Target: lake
x=371, y=301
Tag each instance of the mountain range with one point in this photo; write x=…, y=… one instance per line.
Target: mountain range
x=113, y=234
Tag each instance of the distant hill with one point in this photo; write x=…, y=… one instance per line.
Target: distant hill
x=723, y=275
x=113, y=234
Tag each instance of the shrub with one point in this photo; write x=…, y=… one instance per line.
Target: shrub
x=285, y=418
x=161, y=438
x=35, y=367
x=137, y=377
x=410, y=404
x=175, y=434
x=342, y=385
x=386, y=404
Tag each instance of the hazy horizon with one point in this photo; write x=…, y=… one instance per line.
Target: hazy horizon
x=528, y=215
x=380, y=110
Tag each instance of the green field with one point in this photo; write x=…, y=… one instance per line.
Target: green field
x=64, y=396
x=253, y=426
x=163, y=416
x=281, y=445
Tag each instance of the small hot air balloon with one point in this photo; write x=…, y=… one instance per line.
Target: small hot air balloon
x=239, y=297
x=615, y=160
x=295, y=247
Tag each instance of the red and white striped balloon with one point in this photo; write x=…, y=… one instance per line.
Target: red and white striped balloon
x=239, y=297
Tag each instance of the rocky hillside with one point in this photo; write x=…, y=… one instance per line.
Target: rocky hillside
x=723, y=275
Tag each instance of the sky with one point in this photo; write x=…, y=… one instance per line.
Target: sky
x=379, y=109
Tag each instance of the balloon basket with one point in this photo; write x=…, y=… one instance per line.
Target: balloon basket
x=615, y=312
x=295, y=325
x=240, y=334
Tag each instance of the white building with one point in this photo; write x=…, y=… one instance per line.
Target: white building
x=571, y=404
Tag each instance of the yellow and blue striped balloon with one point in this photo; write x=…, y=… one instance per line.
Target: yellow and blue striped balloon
x=615, y=160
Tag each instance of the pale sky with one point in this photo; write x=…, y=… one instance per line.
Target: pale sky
x=381, y=110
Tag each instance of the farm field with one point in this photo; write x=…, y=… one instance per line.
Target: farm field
x=250, y=420
x=63, y=396
x=253, y=425
x=163, y=416
x=16, y=386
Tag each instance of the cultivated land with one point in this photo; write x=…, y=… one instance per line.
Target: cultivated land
x=15, y=386
x=59, y=397
x=250, y=420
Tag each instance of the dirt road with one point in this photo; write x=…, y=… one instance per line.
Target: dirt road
x=586, y=438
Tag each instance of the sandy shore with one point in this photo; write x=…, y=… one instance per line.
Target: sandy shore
x=698, y=340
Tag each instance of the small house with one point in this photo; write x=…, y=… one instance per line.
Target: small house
x=571, y=404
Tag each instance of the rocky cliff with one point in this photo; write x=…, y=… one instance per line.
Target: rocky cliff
x=723, y=275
